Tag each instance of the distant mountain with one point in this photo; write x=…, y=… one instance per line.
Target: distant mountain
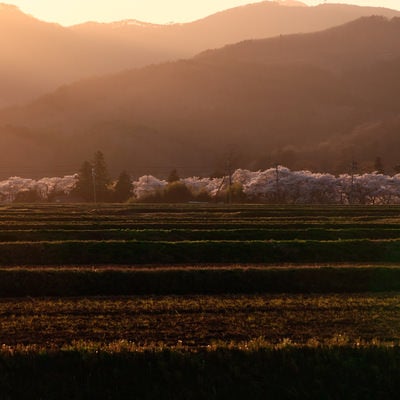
x=307, y=101
x=37, y=57
x=360, y=43
x=252, y=21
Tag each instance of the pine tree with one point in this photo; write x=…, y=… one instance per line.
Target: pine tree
x=123, y=187
x=177, y=192
x=100, y=177
x=378, y=165
x=173, y=176
x=93, y=179
x=84, y=186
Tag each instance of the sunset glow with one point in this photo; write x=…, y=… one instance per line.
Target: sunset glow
x=85, y=82
x=199, y=199
x=157, y=11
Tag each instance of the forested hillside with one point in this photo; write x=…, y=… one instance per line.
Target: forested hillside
x=37, y=57
x=313, y=101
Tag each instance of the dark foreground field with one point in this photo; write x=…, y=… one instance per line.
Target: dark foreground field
x=199, y=302
x=195, y=322
x=224, y=373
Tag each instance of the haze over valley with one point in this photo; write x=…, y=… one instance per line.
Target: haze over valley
x=306, y=87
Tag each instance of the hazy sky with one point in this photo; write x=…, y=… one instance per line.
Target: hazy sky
x=68, y=12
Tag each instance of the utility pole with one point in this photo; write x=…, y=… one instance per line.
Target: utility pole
x=353, y=170
x=277, y=183
x=94, y=186
x=229, y=171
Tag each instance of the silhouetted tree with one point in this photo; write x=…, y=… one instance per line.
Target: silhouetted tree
x=93, y=179
x=84, y=186
x=378, y=165
x=27, y=196
x=101, y=177
x=236, y=194
x=203, y=196
x=177, y=192
x=123, y=187
x=173, y=176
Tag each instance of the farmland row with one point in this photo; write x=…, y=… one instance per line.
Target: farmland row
x=173, y=235
x=194, y=211
x=287, y=373
x=151, y=345
x=194, y=252
x=199, y=321
x=105, y=281
x=157, y=224
x=156, y=301
x=192, y=234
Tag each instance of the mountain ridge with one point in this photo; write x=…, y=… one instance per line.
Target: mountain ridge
x=38, y=56
x=189, y=113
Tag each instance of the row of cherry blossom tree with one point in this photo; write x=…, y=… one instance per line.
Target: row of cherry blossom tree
x=281, y=185
x=274, y=185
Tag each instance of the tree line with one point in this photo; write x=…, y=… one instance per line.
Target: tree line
x=277, y=185
x=95, y=185
x=94, y=182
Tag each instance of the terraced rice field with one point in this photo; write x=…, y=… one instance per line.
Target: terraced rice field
x=204, y=299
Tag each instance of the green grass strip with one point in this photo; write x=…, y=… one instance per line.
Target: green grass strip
x=37, y=282
x=135, y=252
x=196, y=234
x=288, y=373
